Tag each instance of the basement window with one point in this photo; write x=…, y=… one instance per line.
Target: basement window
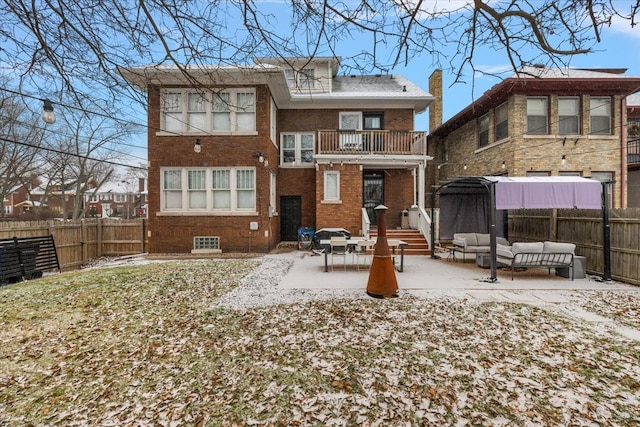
x=206, y=245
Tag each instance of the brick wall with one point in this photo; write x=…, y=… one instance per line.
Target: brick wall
x=313, y=120
x=174, y=233
x=300, y=182
x=524, y=153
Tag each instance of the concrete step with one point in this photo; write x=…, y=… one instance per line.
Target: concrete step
x=416, y=243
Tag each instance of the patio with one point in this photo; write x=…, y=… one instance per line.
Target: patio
x=425, y=273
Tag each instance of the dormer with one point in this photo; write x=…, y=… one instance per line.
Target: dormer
x=306, y=75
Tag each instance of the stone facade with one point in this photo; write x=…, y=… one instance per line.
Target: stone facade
x=456, y=149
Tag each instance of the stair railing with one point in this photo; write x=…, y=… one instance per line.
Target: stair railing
x=424, y=226
x=366, y=224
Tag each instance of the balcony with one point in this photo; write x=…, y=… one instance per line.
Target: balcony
x=633, y=152
x=365, y=142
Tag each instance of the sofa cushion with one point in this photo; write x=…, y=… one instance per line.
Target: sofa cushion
x=470, y=238
x=559, y=248
x=527, y=247
x=483, y=239
x=504, y=251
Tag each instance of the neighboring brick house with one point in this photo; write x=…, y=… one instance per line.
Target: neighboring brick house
x=546, y=122
x=633, y=149
x=241, y=157
x=117, y=200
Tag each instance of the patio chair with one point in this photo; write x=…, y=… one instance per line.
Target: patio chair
x=363, y=249
x=394, y=246
x=338, y=249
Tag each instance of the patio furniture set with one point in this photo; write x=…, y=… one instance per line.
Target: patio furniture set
x=359, y=249
x=556, y=255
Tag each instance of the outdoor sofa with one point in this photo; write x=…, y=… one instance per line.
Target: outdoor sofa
x=474, y=243
x=537, y=254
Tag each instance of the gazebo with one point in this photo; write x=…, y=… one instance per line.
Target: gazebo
x=477, y=200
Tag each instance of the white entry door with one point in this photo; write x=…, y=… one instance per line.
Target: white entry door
x=350, y=123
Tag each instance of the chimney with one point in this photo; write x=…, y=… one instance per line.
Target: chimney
x=435, y=109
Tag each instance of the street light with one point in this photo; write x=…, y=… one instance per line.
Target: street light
x=47, y=112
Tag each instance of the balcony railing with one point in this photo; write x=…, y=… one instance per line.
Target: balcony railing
x=372, y=142
x=633, y=151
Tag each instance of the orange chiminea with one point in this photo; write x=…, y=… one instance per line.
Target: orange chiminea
x=382, y=275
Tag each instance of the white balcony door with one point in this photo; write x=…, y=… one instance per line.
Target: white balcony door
x=350, y=121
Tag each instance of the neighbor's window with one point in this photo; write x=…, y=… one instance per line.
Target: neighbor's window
x=568, y=116
x=483, y=130
x=120, y=198
x=331, y=185
x=536, y=173
x=537, y=115
x=297, y=147
x=600, y=116
x=231, y=110
x=502, y=121
x=209, y=189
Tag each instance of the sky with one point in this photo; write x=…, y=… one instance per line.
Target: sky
x=620, y=48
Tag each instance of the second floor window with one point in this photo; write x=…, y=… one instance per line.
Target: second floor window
x=483, y=130
x=231, y=110
x=537, y=116
x=600, y=116
x=297, y=147
x=568, y=116
x=120, y=198
x=502, y=121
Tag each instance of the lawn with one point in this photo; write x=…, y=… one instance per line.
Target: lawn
x=146, y=345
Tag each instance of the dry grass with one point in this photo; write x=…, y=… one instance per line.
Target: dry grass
x=141, y=346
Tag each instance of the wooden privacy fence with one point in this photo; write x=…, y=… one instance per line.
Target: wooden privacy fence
x=584, y=229
x=78, y=241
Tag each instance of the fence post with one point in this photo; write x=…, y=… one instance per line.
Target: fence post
x=83, y=241
x=141, y=235
x=99, y=238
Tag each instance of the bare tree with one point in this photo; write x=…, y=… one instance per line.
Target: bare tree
x=19, y=138
x=80, y=160
x=76, y=47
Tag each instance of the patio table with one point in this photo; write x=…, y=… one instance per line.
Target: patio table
x=353, y=242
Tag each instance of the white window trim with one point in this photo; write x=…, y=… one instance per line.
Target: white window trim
x=298, y=149
x=209, y=113
x=324, y=196
x=185, y=210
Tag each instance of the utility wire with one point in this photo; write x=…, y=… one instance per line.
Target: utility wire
x=86, y=140
x=53, y=150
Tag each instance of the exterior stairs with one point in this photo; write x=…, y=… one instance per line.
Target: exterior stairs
x=417, y=244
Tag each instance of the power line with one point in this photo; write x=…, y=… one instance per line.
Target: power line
x=86, y=140
x=53, y=150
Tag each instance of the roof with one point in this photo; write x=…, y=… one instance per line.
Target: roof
x=377, y=91
x=633, y=100
x=536, y=81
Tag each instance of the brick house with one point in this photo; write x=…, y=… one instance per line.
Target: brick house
x=240, y=157
x=633, y=150
x=544, y=122
x=117, y=200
